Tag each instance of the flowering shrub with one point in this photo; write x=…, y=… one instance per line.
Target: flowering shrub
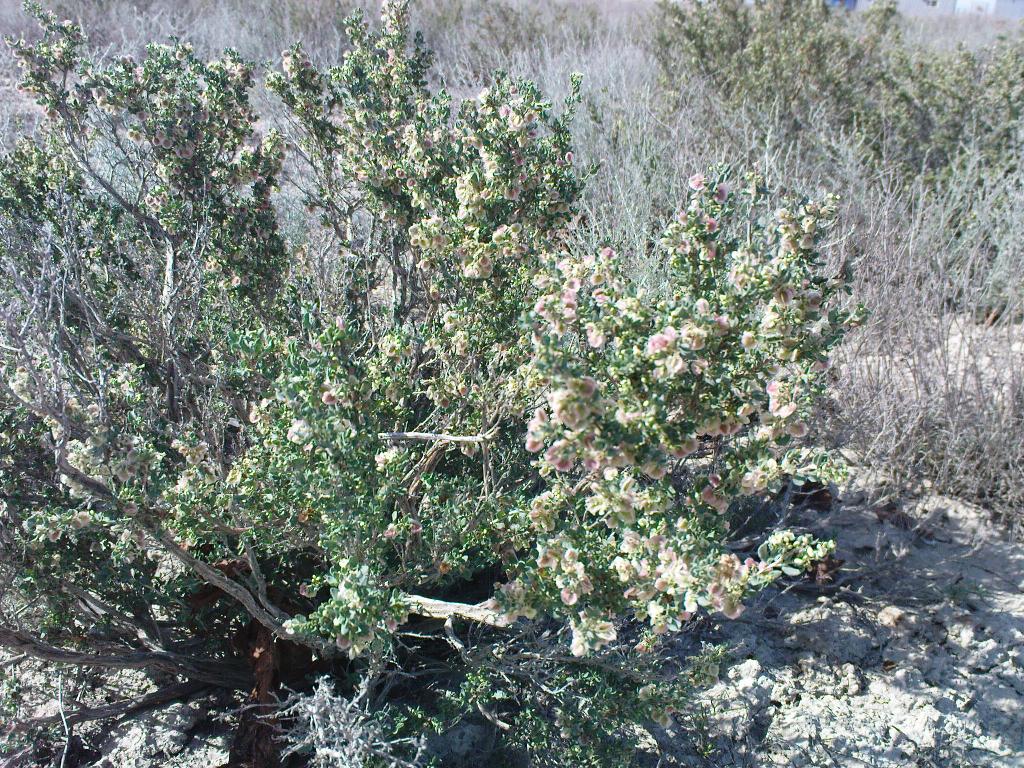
x=665, y=408
x=469, y=418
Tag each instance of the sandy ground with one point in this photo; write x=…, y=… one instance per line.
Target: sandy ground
x=913, y=656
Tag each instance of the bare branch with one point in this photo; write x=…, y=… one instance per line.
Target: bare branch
x=118, y=708
x=396, y=437
x=213, y=671
x=482, y=613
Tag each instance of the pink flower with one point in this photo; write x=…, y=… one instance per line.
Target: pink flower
x=661, y=341
x=712, y=499
x=784, y=295
x=722, y=192
x=595, y=336
x=684, y=450
x=657, y=343
x=533, y=430
x=711, y=223
x=329, y=397
x=546, y=559
x=299, y=431
x=569, y=597
x=697, y=182
x=655, y=470
x=559, y=457
x=781, y=411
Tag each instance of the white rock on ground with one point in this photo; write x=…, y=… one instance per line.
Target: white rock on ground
x=177, y=736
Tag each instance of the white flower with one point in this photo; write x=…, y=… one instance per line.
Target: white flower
x=299, y=432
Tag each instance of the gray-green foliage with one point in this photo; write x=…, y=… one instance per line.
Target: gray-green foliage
x=801, y=61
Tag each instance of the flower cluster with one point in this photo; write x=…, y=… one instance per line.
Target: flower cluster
x=481, y=191
x=705, y=389
x=358, y=611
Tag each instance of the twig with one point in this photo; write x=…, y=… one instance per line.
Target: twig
x=483, y=613
x=117, y=708
x=437, y=436
x=13, y=661
x=63, y=719
x=211, y=671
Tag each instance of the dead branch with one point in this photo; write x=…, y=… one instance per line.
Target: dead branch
x=115, y=709
x=396, y=437
x=216, y=672
x=275, y=623
x=482, y=613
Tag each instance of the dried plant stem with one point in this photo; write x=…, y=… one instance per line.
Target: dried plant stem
x=436, y=436
x=482, y=613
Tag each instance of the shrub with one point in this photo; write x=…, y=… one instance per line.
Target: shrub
x=794, y=62
x=805, y=64
x=466, y=452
